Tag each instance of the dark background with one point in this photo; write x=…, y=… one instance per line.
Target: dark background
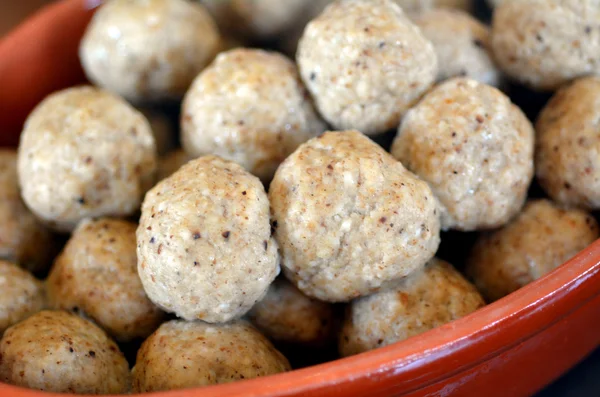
x=582, y=381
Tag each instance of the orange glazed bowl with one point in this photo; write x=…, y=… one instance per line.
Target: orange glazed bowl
x=512, y=347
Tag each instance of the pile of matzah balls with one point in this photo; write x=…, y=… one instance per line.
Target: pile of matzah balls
x=250, y=183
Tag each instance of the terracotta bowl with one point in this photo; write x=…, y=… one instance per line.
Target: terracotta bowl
x=512, y=347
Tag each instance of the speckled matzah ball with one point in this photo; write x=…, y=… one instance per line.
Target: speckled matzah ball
x=85, y=153
x=365, y=63
x=190, y=354
x=96, y=274
x=539, y=240
x=547, y=43
x=427, y=299
x=205, y=249
x=462, y=45
x=290, y=37
x=60, y=352
x=349, y=218
x=250, y=107
x=287, y=315
x=474, y=148
x=23, y=239
x=21, y=295
x=148, y=50
x=568, y=145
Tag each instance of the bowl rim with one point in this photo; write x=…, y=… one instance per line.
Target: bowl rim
x=492, y=330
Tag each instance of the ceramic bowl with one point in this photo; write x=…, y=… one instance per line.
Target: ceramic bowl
x=512, y=347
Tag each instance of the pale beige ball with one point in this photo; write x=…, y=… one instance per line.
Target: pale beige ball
x=287, y=315
x=60, y=352
x=148, y=50
x=205, y=249
x=547, y=43
x=85, y=152
x=349, y=218
x=23, y=239
x=462, y=45
x=251, y=107
x=568, y=145
x=365, y=64
x=183, y=354
x=96, y=275
x=428, y=298
x=21, y=295
x=474, y=148
x=540, y=239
